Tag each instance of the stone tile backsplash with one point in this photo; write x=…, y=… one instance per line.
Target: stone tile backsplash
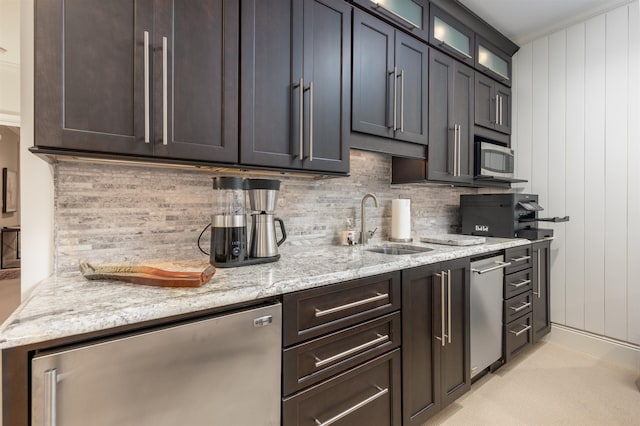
x=121, y=213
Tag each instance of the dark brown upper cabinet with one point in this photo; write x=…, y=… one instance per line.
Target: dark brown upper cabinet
x=493, y=61
x=451, y=36
x=410, y=15
x=492, y=104
x=390, y=81
x=450, y=149
x=138, y=78
x=296, y=84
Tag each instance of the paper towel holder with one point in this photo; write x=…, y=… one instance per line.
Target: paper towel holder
x=401, y=240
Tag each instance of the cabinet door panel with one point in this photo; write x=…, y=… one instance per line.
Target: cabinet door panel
x=411, y=100
x=485, y=110
x=271, y=67
x=441, y=135
x=327, y=63
x=77, y=44
x=373, y=62
x=421, y=305
x=504, y=108
x=541, y=277
x=202, y=80
x=463, y=106
x=455, y=359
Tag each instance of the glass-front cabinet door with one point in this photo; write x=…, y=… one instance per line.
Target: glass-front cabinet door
x=493, y=62
x=451, y=36
x=410, y=15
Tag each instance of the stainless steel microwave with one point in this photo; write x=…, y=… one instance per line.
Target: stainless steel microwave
x=493, y=160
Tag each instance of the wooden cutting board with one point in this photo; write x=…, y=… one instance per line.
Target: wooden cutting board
x=147, y=275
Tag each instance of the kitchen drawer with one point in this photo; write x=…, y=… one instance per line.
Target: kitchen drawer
x=518, y=336
x=311, y=313
x=517, y=306
x=518, y=283
x=309, y=363
x=367, y=395
x=520, y=258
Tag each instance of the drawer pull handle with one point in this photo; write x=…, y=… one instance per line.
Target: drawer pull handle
x=499, y=265
x=520, y=284
x=525, y=305
x=374, y=342
x=520, y=259
x=50, y=391
x=378, y=296
x=345, y=413
x=524, y=330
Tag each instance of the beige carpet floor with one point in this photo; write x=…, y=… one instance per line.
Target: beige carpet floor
x=549, y=385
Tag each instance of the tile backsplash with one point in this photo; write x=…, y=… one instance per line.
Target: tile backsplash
x=127, y=214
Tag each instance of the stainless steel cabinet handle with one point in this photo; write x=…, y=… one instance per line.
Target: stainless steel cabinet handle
x=50, y=388
x=520, y=259
x=500, y=97
x=459, y=147
x=538, y=293
x=497, y=109
x=442, y=310
x=449, y=305
x=165, y=105
x=520, y=284
x=345, y=413
x=499, y=265
x=146, y=88
x=455, y=49
x=524, y=330
x=394, y=14
x=525, y=305
x=320, y=313
x=401, y=100
x=455, y=149
x=310, y=88
x=322, y=362
x=300, y=116
x=395, y=98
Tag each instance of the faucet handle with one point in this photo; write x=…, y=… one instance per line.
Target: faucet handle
x=372, y=233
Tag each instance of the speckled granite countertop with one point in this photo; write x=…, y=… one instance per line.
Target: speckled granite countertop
x=70, y=305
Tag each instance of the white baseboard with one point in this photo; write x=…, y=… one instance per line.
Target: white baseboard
x=612, y=351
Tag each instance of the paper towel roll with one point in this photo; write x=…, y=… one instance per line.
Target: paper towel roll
x=401, y=219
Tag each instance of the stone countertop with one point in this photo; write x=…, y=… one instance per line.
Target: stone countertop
x=64, y=306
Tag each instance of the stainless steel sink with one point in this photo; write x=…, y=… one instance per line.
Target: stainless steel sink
x=397, y=249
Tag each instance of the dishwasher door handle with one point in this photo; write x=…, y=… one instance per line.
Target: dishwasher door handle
x=499, y=265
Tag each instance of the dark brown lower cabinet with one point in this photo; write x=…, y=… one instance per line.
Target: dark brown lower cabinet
x=541, y=279
x=518, y=335
x=368, y=395
x=435, y=338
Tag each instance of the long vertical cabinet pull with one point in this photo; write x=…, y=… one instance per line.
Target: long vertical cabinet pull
x=449, y=305
x=459, y=147
x=146, y=87
x=497, y=110
x=395, y=98
x=500, y=97
x=50, y=388
x=442, y=313
x=401, y=100
x=310, y=89
x=300, y=87
x=165, y=102
x=455, y=149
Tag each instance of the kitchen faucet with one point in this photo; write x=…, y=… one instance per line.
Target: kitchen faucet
x=365, y=235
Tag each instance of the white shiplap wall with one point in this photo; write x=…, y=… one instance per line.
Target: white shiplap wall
x=577, y=139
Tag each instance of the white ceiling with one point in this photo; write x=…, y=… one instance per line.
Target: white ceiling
x=526, y=20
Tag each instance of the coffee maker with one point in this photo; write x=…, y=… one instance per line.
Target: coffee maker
x=229, y=222
x=263, y=196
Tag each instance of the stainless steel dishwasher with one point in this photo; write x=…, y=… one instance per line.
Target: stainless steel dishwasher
x=487, y=282
x=222, y=370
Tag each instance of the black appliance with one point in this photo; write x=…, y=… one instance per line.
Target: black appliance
x=506, y=215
